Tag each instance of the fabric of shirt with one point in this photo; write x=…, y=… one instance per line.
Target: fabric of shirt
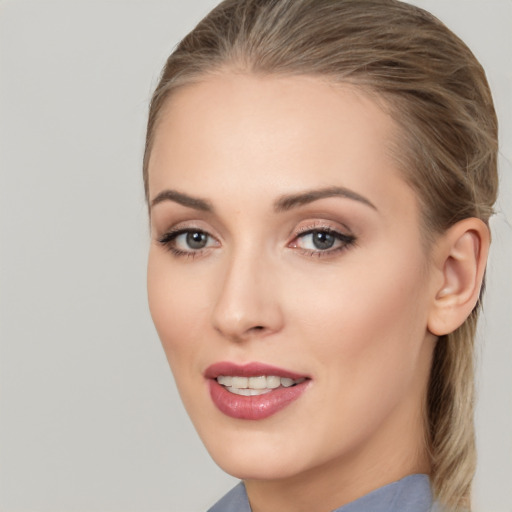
x=410, y=494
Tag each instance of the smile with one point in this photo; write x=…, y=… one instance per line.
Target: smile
x=253, y=386
x=254, y=391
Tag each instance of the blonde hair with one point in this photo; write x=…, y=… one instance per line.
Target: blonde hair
x=435, y=89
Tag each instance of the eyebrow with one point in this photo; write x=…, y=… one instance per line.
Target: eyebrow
x=289, y=202
x=184, y=199
x=282, y=204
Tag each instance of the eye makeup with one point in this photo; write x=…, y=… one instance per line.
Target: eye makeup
x=315, y=239
x=187, y=241
x=322, y=241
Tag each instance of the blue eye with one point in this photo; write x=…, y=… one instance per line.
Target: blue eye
x=323, y=240
x=194, y=239
x=187, y=241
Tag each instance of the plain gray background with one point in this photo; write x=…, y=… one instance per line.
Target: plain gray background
x=89, y=416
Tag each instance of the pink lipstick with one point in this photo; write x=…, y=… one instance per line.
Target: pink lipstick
x=253, y=391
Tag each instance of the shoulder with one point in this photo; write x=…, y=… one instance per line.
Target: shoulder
x=410, y=494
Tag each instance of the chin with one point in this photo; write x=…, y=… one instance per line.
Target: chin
x=258, y=454
x=256, y=467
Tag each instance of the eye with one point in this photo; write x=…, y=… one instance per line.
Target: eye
x=187, y=241
x=322, y=240
x=192, y=240
x=319, y=240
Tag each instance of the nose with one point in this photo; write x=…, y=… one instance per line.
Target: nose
x=247, y=304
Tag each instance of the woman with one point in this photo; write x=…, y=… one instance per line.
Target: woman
x=320, y=176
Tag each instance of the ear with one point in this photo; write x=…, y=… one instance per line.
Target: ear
x=460, y=257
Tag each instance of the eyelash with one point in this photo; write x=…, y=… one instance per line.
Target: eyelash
x=345, y=239
x=168, y=240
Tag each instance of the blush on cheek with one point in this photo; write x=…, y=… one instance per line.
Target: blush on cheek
x=374, y=315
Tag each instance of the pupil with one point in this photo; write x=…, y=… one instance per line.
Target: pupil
x=323, y=240
x=196, y=240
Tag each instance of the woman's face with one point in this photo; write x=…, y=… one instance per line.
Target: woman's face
x=286, y=277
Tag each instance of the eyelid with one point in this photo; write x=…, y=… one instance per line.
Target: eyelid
x=323, y=225
x=345, y=239
x=172, y=234
x=185, y=226
x=336, y=233
x=169, y=237
x=320, y=223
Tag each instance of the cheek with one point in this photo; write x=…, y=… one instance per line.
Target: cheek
x=365, y=330
x=367, y=318
x=175, y=302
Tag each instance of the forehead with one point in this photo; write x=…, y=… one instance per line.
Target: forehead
x=258, y=135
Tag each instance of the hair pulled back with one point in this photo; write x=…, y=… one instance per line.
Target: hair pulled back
x=428, y=80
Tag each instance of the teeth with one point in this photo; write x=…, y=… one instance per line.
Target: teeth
x=240, y=382
x=286, y=382
x=252, y=386
x=225, y=380
x=257, y=382
x=249, y=392
x=273, y=382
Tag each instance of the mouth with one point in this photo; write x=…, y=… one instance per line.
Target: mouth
x=255, y=386
x=254, y=391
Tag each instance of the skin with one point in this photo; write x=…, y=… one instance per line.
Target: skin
x=355, y=320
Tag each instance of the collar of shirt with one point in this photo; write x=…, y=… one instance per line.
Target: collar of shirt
x=410, y=494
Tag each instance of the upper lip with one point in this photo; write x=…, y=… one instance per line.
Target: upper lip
x=254, y=369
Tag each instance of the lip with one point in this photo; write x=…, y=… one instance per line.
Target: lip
x=256, y=407
x=249, y=370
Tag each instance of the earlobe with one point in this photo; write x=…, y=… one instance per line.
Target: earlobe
x=460, y=259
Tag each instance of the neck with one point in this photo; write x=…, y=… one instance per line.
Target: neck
x=348, y=477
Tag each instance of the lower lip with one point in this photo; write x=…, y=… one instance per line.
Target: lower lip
x=256, y=407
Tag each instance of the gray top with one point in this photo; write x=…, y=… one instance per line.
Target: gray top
x=411, y=494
